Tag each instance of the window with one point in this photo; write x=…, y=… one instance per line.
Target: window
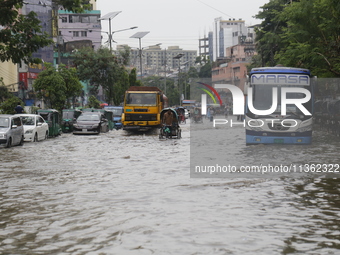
x=83, y=33
x=64, y=19
x=236, y=69
x=74, y=18
x=40, y=120
x=75, y=33
x=85, y=19
x=17, y=121
x=94, y=19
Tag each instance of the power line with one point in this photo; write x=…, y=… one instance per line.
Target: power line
x=214, y=8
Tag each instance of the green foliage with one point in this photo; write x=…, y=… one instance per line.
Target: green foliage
x=72, y=83
x=192, y=73
x=102, y=68
x=133, y=78
x=301, y=33
x=94, y=102
x=205, y=70
x=4, y=93
x=51, y=87
x=124, y=55
x=74, y=5
x=311, y=38
x=268, y=35
x=7, y=106
x=168, y=86
x=20, y=35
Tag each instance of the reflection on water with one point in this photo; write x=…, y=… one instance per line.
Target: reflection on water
x=123, y=193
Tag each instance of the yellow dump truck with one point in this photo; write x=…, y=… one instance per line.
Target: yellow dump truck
x=142, y=108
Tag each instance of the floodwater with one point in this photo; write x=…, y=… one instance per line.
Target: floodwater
x=122, y=193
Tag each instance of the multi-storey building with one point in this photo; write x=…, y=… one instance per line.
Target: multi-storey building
x=226, y=33
x=203, y=47
x=233, y=68
x=78, y=30
x=156, y=61
x=69, y=31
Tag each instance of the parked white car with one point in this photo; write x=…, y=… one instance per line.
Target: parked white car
x=11, y=130
x=35, y=127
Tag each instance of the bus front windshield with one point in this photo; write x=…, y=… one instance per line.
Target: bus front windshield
x=263, y=94
x=147, y=99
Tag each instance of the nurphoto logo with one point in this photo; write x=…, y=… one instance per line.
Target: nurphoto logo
x=238, y=100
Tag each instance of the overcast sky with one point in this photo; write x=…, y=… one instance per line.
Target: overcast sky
x=173, y=22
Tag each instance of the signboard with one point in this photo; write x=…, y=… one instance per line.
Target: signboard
x=280, y=79
x=23, y=78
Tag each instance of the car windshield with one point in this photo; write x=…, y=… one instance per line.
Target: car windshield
x=89, y=117
x=28, y=120
x=4, y=122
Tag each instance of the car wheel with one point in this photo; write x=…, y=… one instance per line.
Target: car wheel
x=9, y=143
x=21, y=141
x=46, y=135
x=35, y=139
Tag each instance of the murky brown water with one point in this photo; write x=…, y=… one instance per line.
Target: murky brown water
x=118, y=193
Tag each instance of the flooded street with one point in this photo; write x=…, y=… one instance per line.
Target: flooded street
x=122, y=193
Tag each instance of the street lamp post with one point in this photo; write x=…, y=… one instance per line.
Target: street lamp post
x=165, y=63
x=140, y=35
x=110, y=16
x=110, y=35
x=179, y=71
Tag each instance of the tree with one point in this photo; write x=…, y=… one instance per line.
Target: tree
x=133, y=78
x=205, y=70
x=4, y=93
x=72, y=83
x=21, y=35
x=7, y=106
x=94, y=102
x=268, y=34
x=51, y=87
x=311, y=39
x=74, y=5
x=102, y=68
x=300, y=33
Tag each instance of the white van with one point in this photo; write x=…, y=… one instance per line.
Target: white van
x=11, y=130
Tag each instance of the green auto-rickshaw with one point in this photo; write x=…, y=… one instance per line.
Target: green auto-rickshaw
x=68, y=118
x=52, y=117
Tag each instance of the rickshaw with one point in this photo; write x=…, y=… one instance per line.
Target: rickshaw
x=51, y=116
x=196, y=115
x=181, y=115
x=170, y=132
x=68, y=118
